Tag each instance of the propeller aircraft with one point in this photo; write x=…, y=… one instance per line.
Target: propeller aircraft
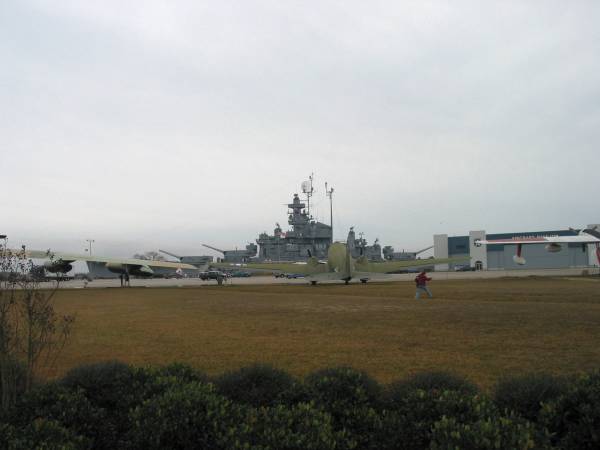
x=340, y=265
x=63, y=263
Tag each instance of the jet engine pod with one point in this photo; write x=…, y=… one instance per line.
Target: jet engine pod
x=519, y=260
x=116, y=267
x=553, y=247
x=143, y=271
x=58, y=266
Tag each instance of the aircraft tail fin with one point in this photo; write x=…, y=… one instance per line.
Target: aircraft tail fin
x=312, y=261
x=348, y=263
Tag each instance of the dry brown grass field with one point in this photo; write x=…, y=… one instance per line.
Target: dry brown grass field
x=481, y=329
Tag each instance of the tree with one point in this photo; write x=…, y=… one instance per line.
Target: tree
x=32, y=333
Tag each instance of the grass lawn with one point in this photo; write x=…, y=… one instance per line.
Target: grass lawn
x=481, y=329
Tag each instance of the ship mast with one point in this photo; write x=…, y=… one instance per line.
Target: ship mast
x=307, y=188
x=329, y=194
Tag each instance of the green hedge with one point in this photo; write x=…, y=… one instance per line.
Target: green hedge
x=259, y=385
x=487, y=433
x=113, y=405
x=525, y=394
x=573, y=419
x=299, y=427
x=186, y=416
x=428, y=381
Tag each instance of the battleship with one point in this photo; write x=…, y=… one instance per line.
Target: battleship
x=307, y=238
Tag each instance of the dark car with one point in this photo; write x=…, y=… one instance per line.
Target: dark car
x=240, y=274
x=294, y=275
x=212, y=275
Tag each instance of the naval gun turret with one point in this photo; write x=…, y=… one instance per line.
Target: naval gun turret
x=236, y=256
x=360, y=248
x=199, y=261
x=390, y=255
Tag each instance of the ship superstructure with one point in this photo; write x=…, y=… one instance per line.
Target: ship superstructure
x=358, y=247
x=306, y=238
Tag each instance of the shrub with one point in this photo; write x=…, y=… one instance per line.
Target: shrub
x=352, y=398
x=45, y=434
x=181, y=372
x=7, y=435
x=114, y=387
x=259, y=385
x=488, y=433
x=299, y=427
x=56, y=404
x=417, y=412
x=427, y=381
x=13, y=374
x=340, y=388
x=186, y=416
x=525, y=394
x=105, y=384
x=574, y=418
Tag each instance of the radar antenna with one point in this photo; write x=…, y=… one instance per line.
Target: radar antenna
x=307, y=188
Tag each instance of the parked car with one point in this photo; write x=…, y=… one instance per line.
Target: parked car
x=294, y=275
x=241, y=274
x=212, y=275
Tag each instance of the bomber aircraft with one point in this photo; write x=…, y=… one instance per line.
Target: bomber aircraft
x=553, y=243
x=62, y=263
x=341, y=266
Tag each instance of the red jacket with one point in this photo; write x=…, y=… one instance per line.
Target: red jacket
x=422, y=279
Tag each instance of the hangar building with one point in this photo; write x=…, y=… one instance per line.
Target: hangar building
x=500, y=256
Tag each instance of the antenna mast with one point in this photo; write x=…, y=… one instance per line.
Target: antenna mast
x=329, y=194
x=307, y=188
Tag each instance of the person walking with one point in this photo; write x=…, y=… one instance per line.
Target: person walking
x=421, y=281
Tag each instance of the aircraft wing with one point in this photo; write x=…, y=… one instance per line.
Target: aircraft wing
x=67, y=258
x=311, y=267
x=393, y=266
x=579, y=239
x=325, y=276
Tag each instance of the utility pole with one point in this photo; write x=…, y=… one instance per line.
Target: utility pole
x=330, y=195
x=89, y=249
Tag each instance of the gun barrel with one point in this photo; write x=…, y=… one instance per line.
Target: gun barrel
x=423, y=250
x=214, y=248
x=170, y=254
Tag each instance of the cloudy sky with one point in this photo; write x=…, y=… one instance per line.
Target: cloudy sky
x=168, y=124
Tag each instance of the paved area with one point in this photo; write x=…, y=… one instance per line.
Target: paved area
x=196, y=282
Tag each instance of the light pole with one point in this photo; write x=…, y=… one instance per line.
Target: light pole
x=330, y=195
x=89, y=249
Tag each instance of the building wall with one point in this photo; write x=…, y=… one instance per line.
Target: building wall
x=440, y=249
x=478, y=253
x=499, y=257
x=592, y=257
x=536, y=257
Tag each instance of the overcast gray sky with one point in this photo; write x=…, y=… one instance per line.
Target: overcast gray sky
x=171, y=123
